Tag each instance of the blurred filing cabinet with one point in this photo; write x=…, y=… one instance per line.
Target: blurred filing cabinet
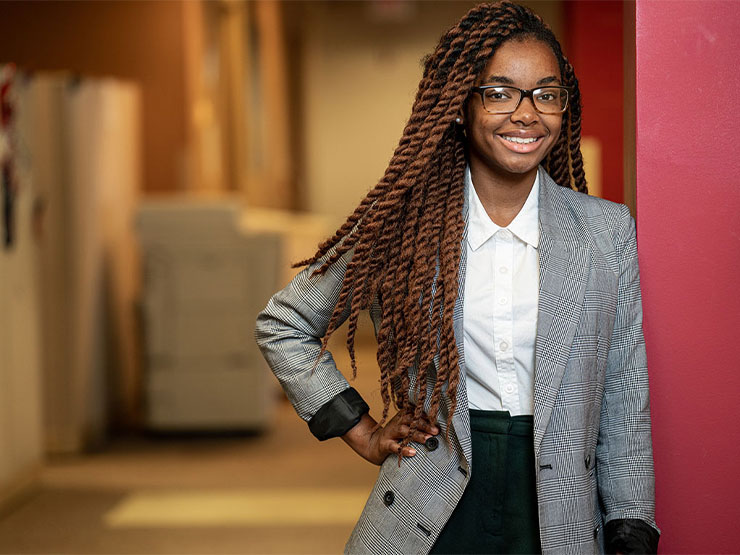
x=205, y=280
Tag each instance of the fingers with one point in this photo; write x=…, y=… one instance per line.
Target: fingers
x=428, y=428
x=425, y=425
x=395, y=447
x=394, y=433
x=398, y=429
x=419, y=436
x=423, y=430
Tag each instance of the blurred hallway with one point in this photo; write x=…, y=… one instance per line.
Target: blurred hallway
x=228, y=495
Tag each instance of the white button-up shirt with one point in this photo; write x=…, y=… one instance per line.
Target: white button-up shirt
x=500, y=306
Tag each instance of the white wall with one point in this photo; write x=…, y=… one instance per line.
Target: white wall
x=21, y=449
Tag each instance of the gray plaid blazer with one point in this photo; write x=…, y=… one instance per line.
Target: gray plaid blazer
x=592, y=437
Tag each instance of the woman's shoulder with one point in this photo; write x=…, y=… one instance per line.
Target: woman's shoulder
x=593, y=206
x=596, y=213
x=605, y=224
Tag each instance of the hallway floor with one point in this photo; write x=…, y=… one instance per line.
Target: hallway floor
x=279, y=492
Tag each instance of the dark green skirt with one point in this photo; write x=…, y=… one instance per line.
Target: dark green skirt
x=498, y=511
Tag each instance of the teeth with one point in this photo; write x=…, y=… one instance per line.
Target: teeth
x=519, y=140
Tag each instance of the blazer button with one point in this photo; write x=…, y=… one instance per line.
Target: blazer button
x=388, y=498
x=587, y=461
x=432, y=443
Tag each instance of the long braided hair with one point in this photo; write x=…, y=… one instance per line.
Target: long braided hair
x=406, y=233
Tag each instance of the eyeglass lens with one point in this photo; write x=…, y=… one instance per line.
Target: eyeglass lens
x=548, y=100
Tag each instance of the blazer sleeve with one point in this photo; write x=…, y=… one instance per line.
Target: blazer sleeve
x=289, y=332
x=624, y=449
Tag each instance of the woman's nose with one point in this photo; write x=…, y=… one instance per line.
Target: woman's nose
x=525, y=112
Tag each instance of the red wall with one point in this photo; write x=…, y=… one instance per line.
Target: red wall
x=593, y=44
x=688, y=217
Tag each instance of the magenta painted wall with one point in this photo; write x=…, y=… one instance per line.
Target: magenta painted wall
x=688, y=217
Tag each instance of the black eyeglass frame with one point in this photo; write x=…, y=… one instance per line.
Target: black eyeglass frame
x=523, y=93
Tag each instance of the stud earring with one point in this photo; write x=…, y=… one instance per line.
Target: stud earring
x=458, y=121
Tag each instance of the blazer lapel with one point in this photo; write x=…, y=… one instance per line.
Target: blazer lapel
x=565, y=261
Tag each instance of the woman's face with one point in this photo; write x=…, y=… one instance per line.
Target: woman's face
x=526, y=64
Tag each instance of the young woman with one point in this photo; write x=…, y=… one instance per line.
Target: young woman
x=508, y=317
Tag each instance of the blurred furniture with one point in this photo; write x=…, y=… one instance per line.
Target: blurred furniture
x=205, y=280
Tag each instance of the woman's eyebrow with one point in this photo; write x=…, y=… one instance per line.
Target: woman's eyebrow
x=508, y=81
x=498, y=79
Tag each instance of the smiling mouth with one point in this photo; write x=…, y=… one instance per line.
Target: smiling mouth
x=520, y=145
x=520, y=140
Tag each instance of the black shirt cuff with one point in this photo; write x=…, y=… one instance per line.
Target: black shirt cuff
x=630, y=536
x=339, y=415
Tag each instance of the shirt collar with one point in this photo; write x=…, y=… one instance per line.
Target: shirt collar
x=525, y=225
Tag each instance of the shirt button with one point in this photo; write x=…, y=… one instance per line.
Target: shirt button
x=503, y=269
x=504, y=345
x=509, y=388
x=503, y=301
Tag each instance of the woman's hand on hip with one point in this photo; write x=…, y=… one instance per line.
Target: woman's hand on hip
x=375, y=443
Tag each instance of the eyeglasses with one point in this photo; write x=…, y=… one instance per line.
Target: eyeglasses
x=505, y=100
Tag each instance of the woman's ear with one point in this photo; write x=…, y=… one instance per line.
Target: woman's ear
x=460, y=124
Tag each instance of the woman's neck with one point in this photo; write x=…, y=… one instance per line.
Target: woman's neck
x=502, y=196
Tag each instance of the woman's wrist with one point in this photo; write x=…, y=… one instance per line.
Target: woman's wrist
x=359, y=437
